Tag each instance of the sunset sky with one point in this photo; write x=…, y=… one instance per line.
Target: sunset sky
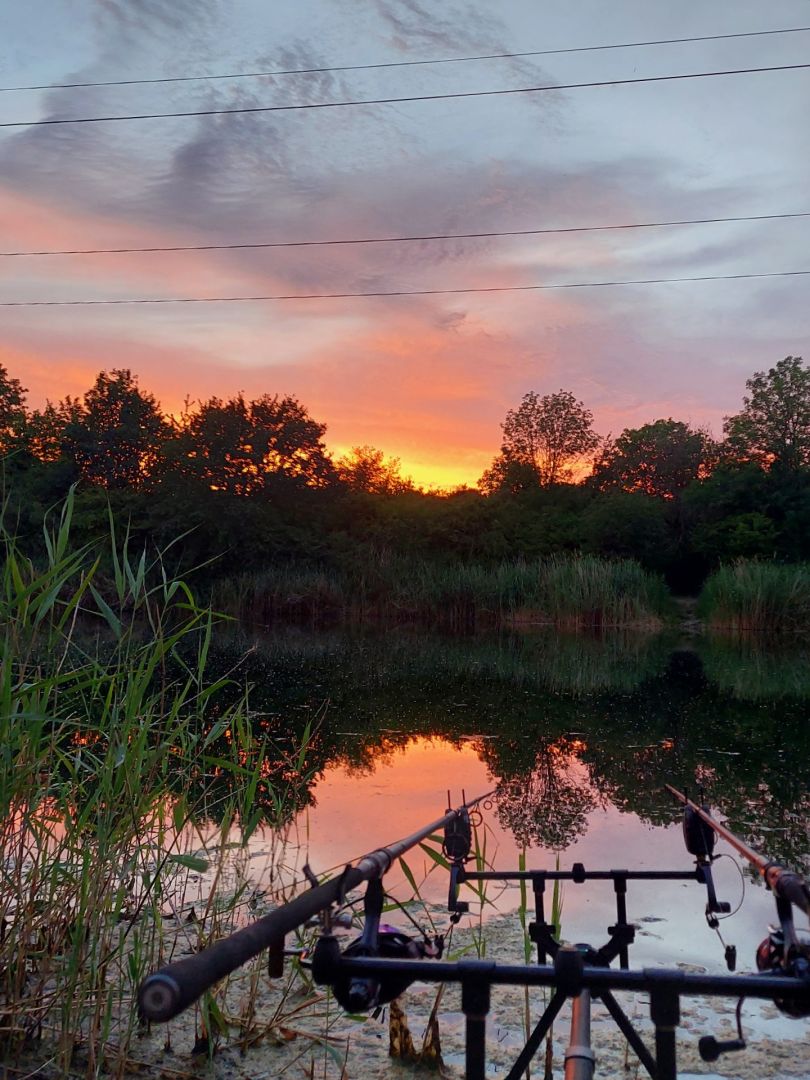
x=427, y=379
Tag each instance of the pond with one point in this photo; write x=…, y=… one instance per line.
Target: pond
x=578, y=734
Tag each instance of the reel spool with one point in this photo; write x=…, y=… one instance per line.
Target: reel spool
x=361, y=995
x=771, y=958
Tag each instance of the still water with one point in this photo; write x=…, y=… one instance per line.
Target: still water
x=578, y=734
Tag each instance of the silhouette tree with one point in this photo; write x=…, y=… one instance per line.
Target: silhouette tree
x=658, y=459
x=367, y=469
x=46, y=428
x=115, y=436
x=542, y=439
x=13, y=414
x=244, y=447
x=773, y=427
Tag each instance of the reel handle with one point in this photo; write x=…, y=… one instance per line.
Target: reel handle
x=710, y=1048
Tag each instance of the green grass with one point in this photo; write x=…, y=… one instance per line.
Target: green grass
x=758, y=597
x=564, y=590
x=106, y=746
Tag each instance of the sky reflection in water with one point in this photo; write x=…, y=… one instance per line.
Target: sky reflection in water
x=354, y=815
x=579, y=733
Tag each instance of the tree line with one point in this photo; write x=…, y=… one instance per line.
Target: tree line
x=247, y=482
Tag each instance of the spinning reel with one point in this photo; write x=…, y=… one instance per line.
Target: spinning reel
x=776, y=958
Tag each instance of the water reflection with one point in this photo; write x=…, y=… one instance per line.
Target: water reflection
x=564, y=724
x=545, y=795
x=406, y=792
x=750, y=669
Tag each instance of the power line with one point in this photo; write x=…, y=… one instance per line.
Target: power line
x=404, y=292
x=405, y=63
x=410, y=239
x=402, y=100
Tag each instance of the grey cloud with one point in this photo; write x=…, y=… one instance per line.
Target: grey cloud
x=130, y=18
x=458, y=25
x=462, y=28
x=303, y=89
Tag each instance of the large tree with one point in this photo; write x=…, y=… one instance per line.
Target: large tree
x=46, y=428
x=243, y=447
x=773, y=427
x=659, y=459
x=367, y=469
x=12, y=411
x=542, y=439
x=115, y=436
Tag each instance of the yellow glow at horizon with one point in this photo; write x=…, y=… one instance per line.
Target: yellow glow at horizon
x=440, y=477
x=430, y=475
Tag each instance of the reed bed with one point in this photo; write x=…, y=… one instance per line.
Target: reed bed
x=109, y=830
x=565, y=590
x=758, y=597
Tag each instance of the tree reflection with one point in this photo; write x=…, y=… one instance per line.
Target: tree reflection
x=543, y=801
x=665, y=722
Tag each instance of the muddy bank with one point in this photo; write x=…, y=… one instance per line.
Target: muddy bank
x=303, y=1034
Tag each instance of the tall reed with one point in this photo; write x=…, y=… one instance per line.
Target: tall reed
x=104, y=741
x=752, y=596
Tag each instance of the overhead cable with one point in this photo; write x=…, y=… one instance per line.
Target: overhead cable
x=403, y=292
x=404, y=63
x=246, y=110
x=557, y=231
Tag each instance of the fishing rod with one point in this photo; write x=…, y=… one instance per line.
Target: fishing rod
x=165, y=993
x=786, y=950
x=784, y=883
x=360, y=978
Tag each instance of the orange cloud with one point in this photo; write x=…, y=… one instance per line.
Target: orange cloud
x=427, y=380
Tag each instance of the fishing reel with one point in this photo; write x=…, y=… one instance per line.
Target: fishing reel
x=773, y=957
x=361, y=994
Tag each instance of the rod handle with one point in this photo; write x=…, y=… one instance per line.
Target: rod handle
x=167, y=992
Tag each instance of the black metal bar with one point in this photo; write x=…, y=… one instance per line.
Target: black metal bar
x=625, y=1026
x=595, y=979
x=665, y=1011
x=620, y=886
x=539, y=1033
x=569, y=875
x=539, y=888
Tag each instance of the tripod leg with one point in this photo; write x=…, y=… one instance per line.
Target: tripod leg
x=579, y=1057
x=625, y=1026
x=665, y=1010
x=537, y=1036
x=475, y=1006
